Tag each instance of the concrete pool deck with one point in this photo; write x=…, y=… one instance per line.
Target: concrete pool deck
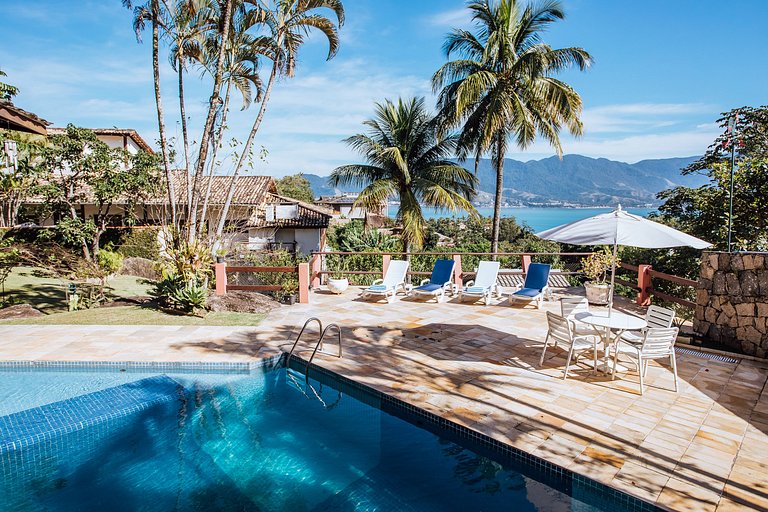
x=704, y=448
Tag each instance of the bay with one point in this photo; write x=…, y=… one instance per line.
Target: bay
x=538, y=219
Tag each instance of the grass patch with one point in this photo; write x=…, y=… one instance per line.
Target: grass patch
x=136, y=315
x=38, y=287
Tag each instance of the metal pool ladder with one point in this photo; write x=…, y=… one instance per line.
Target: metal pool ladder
x=319, y=343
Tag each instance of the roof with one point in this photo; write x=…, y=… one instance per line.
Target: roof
x=17, y=119
x=307, y=215
x=114, y=132
x=336, y=200
x=249, y=190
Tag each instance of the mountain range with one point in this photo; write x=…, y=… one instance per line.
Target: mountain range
x=572, y=180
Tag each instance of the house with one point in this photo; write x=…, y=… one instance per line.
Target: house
x=343, y=206
x=259, y=218
x=116, y=138
x=16, y=119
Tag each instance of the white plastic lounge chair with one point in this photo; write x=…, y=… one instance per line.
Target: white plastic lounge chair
x=561, y=331
x=658, y=343
x=569, y=307
x=484, y=285
x=439, y=283
x=393, y=281
x=535, y=287
x=656, y=316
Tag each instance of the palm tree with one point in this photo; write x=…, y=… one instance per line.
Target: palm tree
x=241, y=71
x=288, y=23
x=152, y=12
x=407, y=158
x=188, y=24
x=7, y=91
x=501, y=85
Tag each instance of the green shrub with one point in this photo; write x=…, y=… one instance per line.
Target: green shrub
x=109, y=262
x=140, y=243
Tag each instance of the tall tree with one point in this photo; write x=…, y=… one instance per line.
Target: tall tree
x=296, y=186
x=153, y=12
x=703, y=211
x=241, y=71
x=7, y=91
x=188, y=23
x=288, y=23
x=501, y=85
x=407, y=158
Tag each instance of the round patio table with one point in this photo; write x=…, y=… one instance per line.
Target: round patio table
x=616, y=322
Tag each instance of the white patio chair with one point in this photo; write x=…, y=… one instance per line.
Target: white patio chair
x=655, y=317
x=484, y=284
x=393, y=280
x=658, y=343
x=569, y=307
x=561, y=331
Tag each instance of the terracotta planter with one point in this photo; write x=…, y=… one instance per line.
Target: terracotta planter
x=338, y=285
x=598, y=293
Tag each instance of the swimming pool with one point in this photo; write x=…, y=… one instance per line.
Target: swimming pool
x=264, y=439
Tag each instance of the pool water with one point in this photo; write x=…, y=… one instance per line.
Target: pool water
x=250, y=442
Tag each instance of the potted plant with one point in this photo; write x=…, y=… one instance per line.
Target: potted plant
x=337, y=283
x=221, y=254
x=596, y=267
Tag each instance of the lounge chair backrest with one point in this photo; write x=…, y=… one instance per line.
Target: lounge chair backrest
x=396, y=273
x=537, y=276
x=659, y=342
x=569, y=306
x=487, y=273
x=442, y=273
x=656, y=316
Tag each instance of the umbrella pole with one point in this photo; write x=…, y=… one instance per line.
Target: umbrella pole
x=613, y=278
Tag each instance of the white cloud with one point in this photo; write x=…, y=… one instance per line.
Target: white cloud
x=638, y=117
x=451, y=18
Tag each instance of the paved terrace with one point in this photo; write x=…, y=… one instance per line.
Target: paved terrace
x=704, y=448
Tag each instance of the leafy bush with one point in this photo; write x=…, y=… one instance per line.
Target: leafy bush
x=140, y=243
x=175, y=292
x=109, y=261
x=185, y=270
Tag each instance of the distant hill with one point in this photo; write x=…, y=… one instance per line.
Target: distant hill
x=576, y=180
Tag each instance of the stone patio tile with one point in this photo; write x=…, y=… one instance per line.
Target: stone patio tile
x=682, y=495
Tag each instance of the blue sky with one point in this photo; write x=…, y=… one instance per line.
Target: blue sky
x=663, y=72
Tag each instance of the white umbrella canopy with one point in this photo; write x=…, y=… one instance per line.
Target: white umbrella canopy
x=621, y=228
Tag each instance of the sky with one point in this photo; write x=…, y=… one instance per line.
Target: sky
x=663, y=72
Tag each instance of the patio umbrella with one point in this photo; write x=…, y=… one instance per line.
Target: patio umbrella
x=621, y=228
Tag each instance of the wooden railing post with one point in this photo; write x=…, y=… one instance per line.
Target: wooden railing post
x=303, y=283
x=526, y=262
x=316, y=265
x=220, y=271
x=457, y=271
x=644, y=285
x=385, y=259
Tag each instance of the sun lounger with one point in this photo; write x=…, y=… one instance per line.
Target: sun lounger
x=440, y=282
x=393, y=281
x=484, y=285
x=535, y=286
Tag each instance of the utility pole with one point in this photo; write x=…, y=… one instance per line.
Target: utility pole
x=732, y=137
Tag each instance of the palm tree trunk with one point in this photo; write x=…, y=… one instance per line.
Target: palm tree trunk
x=160, y=114
x=185, y=137
x=205, y=140
x=219, y=138
x=247, y=147
x=499, y=154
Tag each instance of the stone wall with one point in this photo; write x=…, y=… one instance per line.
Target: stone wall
x=732, y=301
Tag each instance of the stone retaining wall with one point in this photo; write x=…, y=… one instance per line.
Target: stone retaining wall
x=732, y=301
